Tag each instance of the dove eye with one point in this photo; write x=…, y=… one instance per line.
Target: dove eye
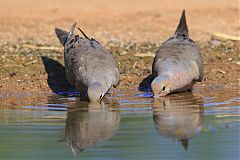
x=164, y=88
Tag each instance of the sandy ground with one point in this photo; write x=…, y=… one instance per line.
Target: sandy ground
x=125, y=27
x=141, y=20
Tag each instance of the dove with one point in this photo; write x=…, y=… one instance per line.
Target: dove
x=89, y=123
x=88, y=65
x=178, y=63
x=178, y=119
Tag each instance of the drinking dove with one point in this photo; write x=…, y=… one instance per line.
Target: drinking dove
x=178, y=64
x=88, y=65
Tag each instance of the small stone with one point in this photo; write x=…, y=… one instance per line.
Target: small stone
x=123, y=53
x=10, y=48
x=230, y=59
x=3, y=56
x=12, y=74
x=221, y=71
x=238, y=62
x=215, y=43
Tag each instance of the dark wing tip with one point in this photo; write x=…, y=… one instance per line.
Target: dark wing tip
x=83, y=33
x=73, y=27
x=74, y=24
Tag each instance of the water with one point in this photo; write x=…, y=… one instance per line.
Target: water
x=129, y=125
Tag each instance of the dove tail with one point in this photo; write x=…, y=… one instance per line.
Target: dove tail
x=71, y=31
x=185, y=143
x=62, y=35
x=83, y=33
x=182, y=28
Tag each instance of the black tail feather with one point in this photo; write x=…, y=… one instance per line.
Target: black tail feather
x=182, y=28
x=83, y=33
x=71, y=31
x=72, y=28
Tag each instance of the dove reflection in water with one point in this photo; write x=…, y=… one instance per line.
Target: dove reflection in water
x=89, y=123
x=178, y=117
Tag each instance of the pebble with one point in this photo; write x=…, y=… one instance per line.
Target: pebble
x=215, y=43
x=123, y=53
x=12, y=74
x=238, y=62
x=221, y=71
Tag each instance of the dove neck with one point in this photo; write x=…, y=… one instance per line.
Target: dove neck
x=104, y=85
x=95, y=91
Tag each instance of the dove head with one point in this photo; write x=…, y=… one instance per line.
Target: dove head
x=95, y=91
x=161, y=86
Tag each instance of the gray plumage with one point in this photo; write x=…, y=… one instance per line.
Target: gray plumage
x=90, y=123
x=178, y=117
x=178, y=63
x=88, y=65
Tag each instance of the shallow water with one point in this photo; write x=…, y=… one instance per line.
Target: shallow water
x=129, y=125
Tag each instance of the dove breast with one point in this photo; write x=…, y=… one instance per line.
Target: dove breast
x=181, y=60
